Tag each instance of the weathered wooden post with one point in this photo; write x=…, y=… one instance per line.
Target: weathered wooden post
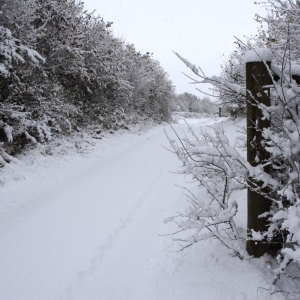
x=257, y=77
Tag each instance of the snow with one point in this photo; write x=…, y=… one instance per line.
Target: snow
x=188, y=64
x=231, y=86
x=260, y=54
x=293, y=70
x=33, y=55
x=90, y=225
x=3, y=70
x=205, y=121
x=8, y=132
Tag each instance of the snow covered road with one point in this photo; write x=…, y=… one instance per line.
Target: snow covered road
x=94, y=232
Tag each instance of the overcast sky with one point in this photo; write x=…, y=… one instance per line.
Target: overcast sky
x=202, y=31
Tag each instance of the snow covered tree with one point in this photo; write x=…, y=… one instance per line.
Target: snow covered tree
x=62, y=69
x=151, y=88
x=187, y=102
x=17, y=59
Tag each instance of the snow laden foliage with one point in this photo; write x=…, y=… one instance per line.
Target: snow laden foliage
x=62, y=70
x=278, y=35
x=284, y=146
x=215, y=165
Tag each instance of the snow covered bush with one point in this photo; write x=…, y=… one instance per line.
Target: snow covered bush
x=217, y=166
x=220, y=169
x=15, y=121
x=62, y=70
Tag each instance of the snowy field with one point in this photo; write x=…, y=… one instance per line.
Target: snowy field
x=89, y=225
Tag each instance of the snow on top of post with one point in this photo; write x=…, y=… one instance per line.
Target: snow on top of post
x=260, y=54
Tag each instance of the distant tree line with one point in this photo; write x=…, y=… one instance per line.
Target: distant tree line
x=188, y=102
x=62, y=70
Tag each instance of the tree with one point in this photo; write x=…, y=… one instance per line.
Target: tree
x=187, y=102
x=62, y=69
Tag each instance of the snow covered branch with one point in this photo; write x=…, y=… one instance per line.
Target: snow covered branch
x=220, y=170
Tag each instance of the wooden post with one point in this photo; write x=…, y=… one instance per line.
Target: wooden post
x=257, y=76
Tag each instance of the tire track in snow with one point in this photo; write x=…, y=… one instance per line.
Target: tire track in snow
x=113, y=237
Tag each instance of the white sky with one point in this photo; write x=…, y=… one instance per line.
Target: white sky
x=202, y=31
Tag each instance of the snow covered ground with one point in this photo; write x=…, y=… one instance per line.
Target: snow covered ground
x=89, y=225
